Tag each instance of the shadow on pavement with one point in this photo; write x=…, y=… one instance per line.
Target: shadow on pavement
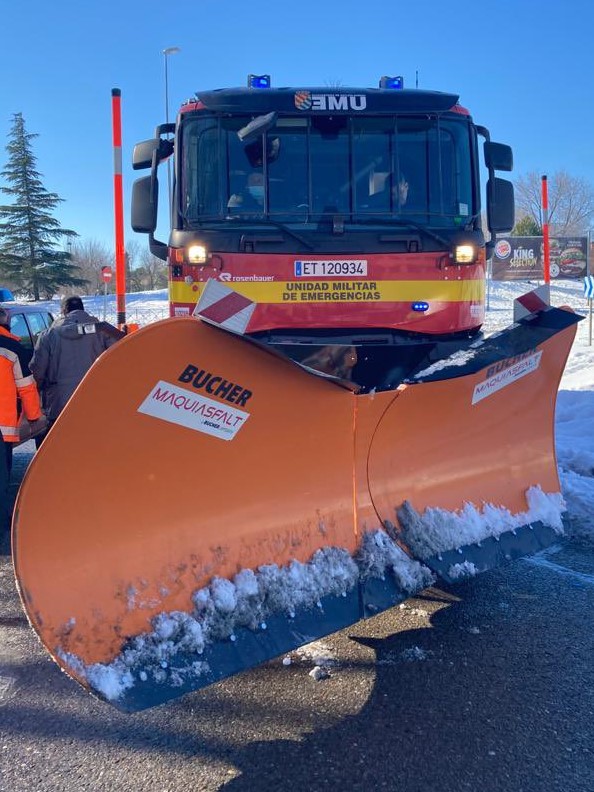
x=490, y=706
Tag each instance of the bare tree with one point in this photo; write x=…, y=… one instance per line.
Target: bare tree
x=571, y=202
x=147, y=272
x=155, y=271
x=143, y=270
x=89, y=256
x=134, y=250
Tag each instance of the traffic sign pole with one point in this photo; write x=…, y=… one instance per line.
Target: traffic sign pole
x=589, y=295
x=589, y=286
x=106, y=276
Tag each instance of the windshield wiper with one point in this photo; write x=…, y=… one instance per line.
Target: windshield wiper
x=267, y=221
x=405, y=224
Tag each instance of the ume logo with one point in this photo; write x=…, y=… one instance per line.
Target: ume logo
x=305, y=100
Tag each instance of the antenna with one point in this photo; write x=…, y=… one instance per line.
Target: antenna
x=417, y=78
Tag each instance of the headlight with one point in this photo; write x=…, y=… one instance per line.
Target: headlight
x=464, y=254
x=197, y=254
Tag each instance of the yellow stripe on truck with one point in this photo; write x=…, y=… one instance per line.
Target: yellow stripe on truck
x=350, y=291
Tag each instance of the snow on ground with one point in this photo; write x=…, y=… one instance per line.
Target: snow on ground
x=141, y=307
x=574, y=418
x=253, y=595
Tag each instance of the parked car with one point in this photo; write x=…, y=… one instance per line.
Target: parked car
x=27, y=321
x=5, y=294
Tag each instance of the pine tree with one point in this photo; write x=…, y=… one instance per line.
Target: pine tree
x=29, y=234
x=527, y=226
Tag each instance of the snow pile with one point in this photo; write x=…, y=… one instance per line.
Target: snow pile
x=574, y=445
x=460, y=358
x=318, y=654
x=379, y=555
x=463, y=570
x=578, y=491
x=245, y=602
x=438, y=530
x=318, y=673
x=152, y=655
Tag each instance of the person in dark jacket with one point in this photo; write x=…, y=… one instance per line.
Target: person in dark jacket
x=16, y=382
x=66, y=351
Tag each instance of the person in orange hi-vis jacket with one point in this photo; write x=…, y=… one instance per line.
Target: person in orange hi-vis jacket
x=15, y=381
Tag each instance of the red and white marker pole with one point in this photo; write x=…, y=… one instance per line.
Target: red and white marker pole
x=545, y=231
x=118, y=196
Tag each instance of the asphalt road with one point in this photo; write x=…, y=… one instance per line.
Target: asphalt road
x=486, y=685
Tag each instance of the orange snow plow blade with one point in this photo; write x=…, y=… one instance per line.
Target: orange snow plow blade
x=204, y=504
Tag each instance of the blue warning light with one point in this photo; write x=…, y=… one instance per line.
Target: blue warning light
x=392, y=83
x=420, y=306
x=259, y=81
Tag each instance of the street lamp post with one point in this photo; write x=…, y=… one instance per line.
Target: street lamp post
x=166, y=52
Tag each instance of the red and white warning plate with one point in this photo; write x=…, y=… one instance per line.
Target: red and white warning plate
x=223, y=306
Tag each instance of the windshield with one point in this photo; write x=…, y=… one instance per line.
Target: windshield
x=362, y=168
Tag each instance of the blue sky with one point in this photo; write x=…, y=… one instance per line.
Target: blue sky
x=523, y=69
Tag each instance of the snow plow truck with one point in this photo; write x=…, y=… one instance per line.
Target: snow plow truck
x=320, y=430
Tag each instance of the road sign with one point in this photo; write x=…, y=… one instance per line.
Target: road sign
x=589, y=287
x=106, y=274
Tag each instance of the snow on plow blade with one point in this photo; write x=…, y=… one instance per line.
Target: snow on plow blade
x=204, y=505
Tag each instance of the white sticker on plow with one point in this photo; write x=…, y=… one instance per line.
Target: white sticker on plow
x=194, y=411
x=506, y=375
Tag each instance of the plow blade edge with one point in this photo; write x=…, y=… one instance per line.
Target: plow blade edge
x=203, y=505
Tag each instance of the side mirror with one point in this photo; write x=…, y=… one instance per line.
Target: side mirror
x=500, y=206
x=498, y=156
x=142, y=156
x=145, y=194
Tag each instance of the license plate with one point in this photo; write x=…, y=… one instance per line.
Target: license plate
x=329, y=268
